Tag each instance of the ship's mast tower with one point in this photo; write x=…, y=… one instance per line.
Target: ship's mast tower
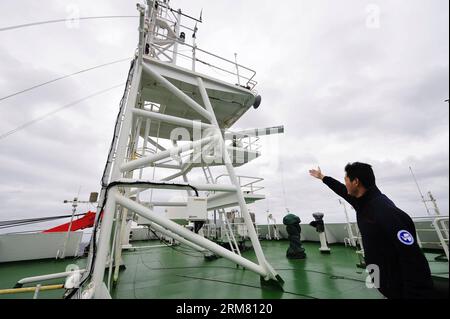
x=170, y=99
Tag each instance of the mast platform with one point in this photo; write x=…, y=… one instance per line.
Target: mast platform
x=230, y=102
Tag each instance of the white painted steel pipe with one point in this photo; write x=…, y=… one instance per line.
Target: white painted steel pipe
x=133, y=89
x=349, y=227
x=168, y=166
x=188, y=235
x=177, y=34
x=256, y=132
x=240, y=196
x=177, y=238
x=187, y=167
x=132, y=248
x=178, y=186
x=36, y=292
x=103, y=243
x=166, y=204
x=177, y=92
x=144, y=149
x=151, y=141
x=118, y=254
x=132, y=165
x=170, y=119
x=323, y=242
x=141, y=45
x=176, y=175
x=108, y=216
x=29, y=280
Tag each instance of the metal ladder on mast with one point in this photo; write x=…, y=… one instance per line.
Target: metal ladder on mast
x=229, y=234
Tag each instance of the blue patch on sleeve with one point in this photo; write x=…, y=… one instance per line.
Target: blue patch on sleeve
x=405, y=237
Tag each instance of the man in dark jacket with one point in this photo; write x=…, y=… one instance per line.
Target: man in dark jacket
x=388, y=234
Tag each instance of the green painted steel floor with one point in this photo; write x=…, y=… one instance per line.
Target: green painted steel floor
x=180, y=273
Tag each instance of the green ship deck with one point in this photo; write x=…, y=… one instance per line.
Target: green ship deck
x=179, y=273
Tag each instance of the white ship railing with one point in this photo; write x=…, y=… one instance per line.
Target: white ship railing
x=167, y=37
x=244, y=75
x=239, y=231
x=441, y=226
x=37, y=289
x=72, y=278
x=247, y=187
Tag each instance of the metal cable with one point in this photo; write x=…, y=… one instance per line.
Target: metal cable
x=43, y=117
x=61, y=78
x=61, y=20
x=11, y=223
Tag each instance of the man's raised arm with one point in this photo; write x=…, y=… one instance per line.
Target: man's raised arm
x=335, y=186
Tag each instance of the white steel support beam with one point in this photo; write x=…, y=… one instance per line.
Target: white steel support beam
x=177, y=34
x=165, y=204
x=155, y=144
x=177, y=92
x=161, y=51
x=189, y=235
x=177, y=186
x=167, y=166
x=118, y=252
x=170, y=234
x=182, y=172
x=120, y=183
x=240, y=196
x=141, y=45
x=121, y=151
x=187, y=167
x=170, y=119
x=103, y=243
x=30, y=280
x=144, y=148
x=256, y=132
x=146, y=161
x=163, y=184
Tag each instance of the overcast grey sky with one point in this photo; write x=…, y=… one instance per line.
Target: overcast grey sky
x=350, y=80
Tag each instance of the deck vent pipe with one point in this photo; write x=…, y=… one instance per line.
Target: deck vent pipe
x=320, y=228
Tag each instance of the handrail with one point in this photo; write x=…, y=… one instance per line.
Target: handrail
x=444, y=240
x=250, y=80
x=251, y=83
x=250, y=185
x=28, y=280
x=206, y=52
x=29, y=289
x=429, y=217
x=435, y=228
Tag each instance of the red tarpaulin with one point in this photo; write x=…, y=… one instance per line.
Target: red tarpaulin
x=86, y=221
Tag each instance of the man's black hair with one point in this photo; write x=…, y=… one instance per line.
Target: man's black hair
x=361, y=171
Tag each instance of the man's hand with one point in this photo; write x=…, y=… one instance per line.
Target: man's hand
x=316, y=173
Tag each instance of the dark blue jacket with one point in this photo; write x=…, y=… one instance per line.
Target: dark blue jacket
x=389, y=239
